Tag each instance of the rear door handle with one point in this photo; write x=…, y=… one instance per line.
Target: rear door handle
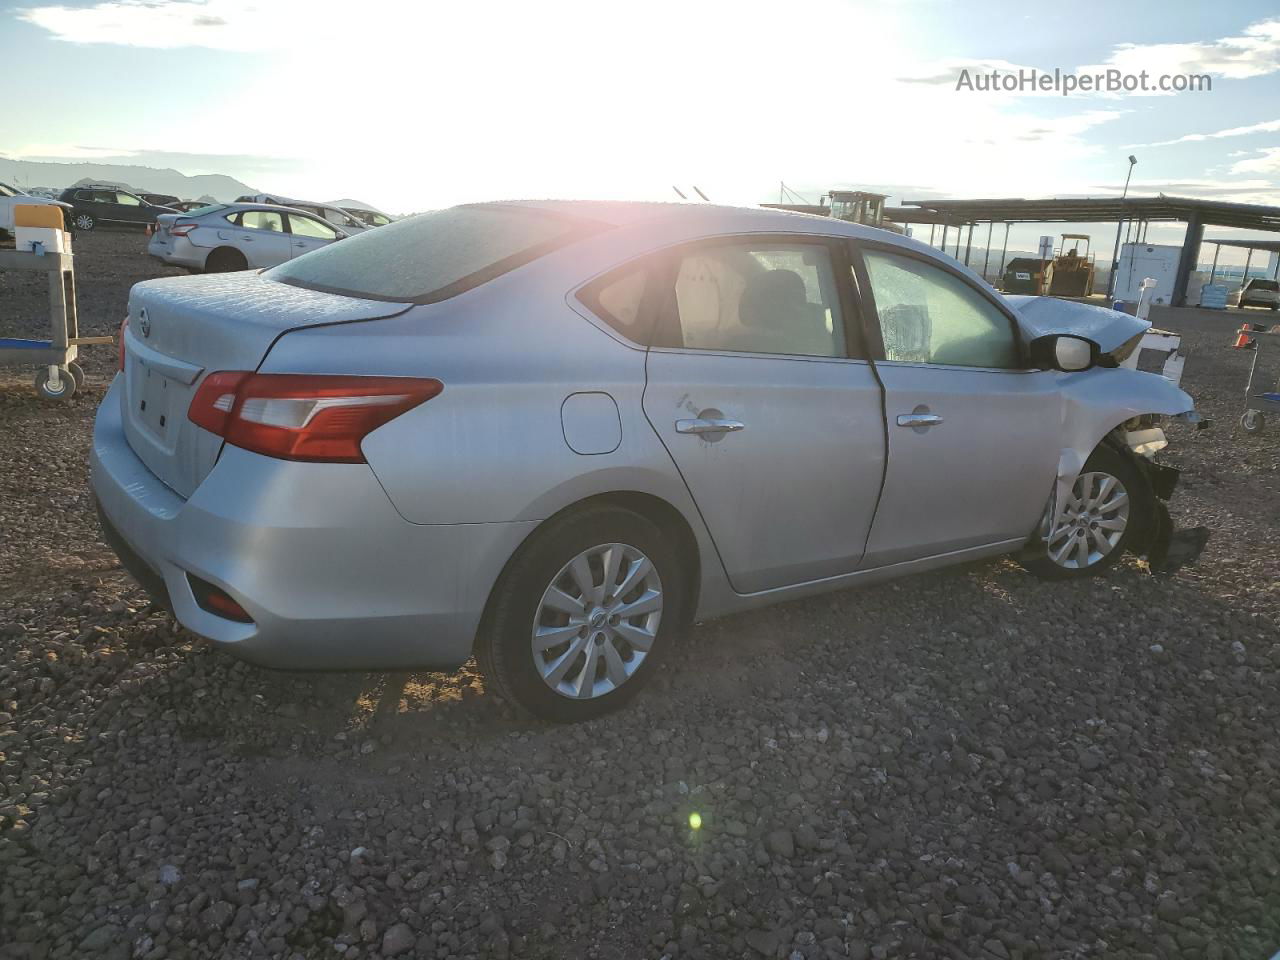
x=709, y=425
x=918, y=419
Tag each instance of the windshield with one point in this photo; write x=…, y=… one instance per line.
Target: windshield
x=434, y=256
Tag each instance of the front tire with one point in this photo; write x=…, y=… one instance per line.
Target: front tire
x=1253, y=421
x=84, y=221
x=1109, y=503
x=583, y=614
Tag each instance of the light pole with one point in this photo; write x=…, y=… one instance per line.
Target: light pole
x=1115, y=251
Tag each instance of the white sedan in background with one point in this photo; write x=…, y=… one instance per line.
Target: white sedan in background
x=238, y=236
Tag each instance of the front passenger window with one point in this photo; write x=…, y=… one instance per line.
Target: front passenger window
x=927, y=315
x=306, y=227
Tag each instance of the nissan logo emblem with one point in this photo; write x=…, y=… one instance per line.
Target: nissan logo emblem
x=144, y=322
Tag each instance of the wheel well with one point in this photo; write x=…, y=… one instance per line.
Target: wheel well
x=225, y=251
x=669, y=520
x=654, y=509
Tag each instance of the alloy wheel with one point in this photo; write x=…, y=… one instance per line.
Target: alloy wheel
x=1091, y=523
x=84, y=222
x=597, y=621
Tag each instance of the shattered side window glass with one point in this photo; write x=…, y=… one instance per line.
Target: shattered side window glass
x=930, y=316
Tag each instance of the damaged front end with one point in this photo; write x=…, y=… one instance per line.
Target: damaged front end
x=1141, y=438
x=1125, y=402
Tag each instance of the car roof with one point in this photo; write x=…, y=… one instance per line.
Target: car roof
x=236, y=207
x=621, y=213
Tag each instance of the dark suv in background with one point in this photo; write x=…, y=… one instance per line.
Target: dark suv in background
x=101, y=203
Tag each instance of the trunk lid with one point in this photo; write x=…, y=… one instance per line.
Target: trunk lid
x=182, y=328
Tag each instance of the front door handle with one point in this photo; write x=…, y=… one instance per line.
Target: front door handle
x=918, y=419
x=709, y=425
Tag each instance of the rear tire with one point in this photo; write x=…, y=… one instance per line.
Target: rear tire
x=565, y=653
x=77, y=374
x=83, y=221
x=225, y=260
x=1109, y=497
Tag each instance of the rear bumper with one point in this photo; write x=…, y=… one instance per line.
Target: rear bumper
x=332, y=575
x=177, y=252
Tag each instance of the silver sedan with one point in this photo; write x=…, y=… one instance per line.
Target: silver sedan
x=223, y=237
x=551, y=434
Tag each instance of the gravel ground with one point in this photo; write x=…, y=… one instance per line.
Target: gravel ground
x=966, y=764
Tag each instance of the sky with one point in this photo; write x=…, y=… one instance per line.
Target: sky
x=415, y=105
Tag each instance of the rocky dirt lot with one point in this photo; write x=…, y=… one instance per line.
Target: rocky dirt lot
x=968, y=764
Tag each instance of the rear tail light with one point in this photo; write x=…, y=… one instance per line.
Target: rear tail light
x=124, y=325
x=296, y=416
x=181, y=229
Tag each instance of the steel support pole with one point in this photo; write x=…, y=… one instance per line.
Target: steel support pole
x=1247, y=260
x=986, y=254
x=1187, y=259
x=1213, y=271
x=1115, y=251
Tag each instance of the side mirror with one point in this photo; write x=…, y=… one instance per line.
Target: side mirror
x=1064, y=351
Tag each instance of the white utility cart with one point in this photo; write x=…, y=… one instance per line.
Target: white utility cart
x=58, y=376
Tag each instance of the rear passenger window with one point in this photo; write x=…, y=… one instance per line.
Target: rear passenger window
x=262, y=220
x=775, y=298
x=618, y=300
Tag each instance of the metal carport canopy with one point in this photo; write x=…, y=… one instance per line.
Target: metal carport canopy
x=1222, y=213
x=1195, y=213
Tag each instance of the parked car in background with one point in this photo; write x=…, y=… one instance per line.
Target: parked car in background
x=106, y=204
x=11, y=197
x=220, y=238
x=362, y=211
x=371, y=218
x=1259, y=292
x=160, y=200
x=335, y=216
x=550, y=434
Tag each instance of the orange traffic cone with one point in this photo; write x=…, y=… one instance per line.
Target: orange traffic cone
x=1243, y=340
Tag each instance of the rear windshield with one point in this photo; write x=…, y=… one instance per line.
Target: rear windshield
x=1264, y=284
x=204, y=211
x=434, y=256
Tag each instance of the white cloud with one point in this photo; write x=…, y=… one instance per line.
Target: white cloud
x=1267, y=126
x=565, y=97
x=220, y=24
x=1254, y=53
x=1267, y=162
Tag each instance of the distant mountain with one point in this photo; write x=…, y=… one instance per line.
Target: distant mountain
x=32, y=173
